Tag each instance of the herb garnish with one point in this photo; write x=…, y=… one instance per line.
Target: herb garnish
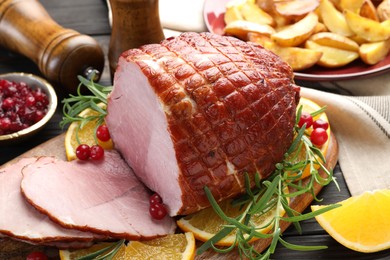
x=96, y=101
x=270, y=195
x=106, y=253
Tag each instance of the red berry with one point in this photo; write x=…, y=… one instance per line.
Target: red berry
x=319, y=123
x=97, y=152
x=36, y=256
x=155, y=198
x=5, y=123
x=157, y=211
x=102, y=133
x=8, y=103
x=305, y=118
x=318, y=136
x=83, y=152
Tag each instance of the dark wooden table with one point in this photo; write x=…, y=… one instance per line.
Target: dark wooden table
x=90, y=17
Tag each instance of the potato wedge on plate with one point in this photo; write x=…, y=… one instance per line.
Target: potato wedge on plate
x=383, y=10
x=295, y=34
x=333, y=19
x=253, y=13
x=298, y=58
x=332, y=57
x=335, y=40
x=241, y=29
x=373, y=52
x=351, y=5
x=232, y=14
x=296, y=8
x=368, y=10
x=368, y=29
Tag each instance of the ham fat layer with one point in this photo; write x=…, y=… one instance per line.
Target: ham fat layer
x=99, y=196
x=21, y=221
x=201, y=109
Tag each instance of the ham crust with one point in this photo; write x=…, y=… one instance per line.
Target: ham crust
x=201, y=110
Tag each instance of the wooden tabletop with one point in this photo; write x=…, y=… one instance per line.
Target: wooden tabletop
x=90, y=17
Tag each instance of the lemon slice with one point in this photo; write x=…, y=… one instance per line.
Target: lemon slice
x=362, y=223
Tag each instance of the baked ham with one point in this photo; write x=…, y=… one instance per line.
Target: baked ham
x=201, y=110
x=21, y=221
x=103, y=197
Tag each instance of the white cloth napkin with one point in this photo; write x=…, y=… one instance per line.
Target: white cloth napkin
x=362, y=127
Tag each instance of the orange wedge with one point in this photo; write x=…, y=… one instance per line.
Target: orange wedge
x=362, y=223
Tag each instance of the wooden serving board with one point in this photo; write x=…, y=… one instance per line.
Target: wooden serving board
x=14, y=250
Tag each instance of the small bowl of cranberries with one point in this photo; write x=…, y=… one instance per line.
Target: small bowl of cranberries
x=27, y=103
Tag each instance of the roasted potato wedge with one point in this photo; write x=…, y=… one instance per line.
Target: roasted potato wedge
x=368, y=10
x=368, y=29
x=295, y=34
x=332, y=57
x=296, y=8
x=233, y=14
x=293, y=55
x=253, y=13
x=333, y=19
x=351, y=5
x=241, y=29
x=383, y=10
x=258, y=38
x=334, y=40
x=373, y=52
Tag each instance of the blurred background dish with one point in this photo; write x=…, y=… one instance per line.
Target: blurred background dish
x=213, y=14
x=38, y=110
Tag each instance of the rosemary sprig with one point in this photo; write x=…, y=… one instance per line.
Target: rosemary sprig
x=75, y=104
x=106, y=253
x=270, y=195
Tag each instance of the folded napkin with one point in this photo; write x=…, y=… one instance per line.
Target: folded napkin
x=362, y=128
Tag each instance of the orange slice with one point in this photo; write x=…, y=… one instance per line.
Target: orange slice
x=85, y=135
x=361, y=223
x=310, y=107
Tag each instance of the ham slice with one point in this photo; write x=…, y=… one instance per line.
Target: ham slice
x=103, y=197
x=21, y=221
x=201, y=110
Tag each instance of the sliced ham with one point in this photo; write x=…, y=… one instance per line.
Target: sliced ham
x=21, y=221
x=201, y=110
x=103, y=196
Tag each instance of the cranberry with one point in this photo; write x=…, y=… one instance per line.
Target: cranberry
x=305, y=118
x=8, y=103
x=97, y=152
x=157, y=211
x=83, y=152
x=319, y=123
x=36, y=256
x=21, y=104
x=155, y=198
x=5, y=123
x=102, y=133
x=318, y=136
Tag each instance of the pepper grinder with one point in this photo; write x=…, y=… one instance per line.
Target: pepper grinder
x=61, y=54
x=134, y=23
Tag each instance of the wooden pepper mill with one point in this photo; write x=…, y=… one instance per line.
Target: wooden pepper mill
x=134, y=23
x=61, y=54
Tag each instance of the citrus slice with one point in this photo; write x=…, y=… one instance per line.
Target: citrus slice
x=76, y=254
x=310, y=107
x=206, y=223
x=361, y=223
x=176, y=246
x=85, y=134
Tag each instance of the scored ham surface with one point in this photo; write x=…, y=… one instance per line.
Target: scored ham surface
x=102, y=196
x=201, y=109
x=20, y=220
